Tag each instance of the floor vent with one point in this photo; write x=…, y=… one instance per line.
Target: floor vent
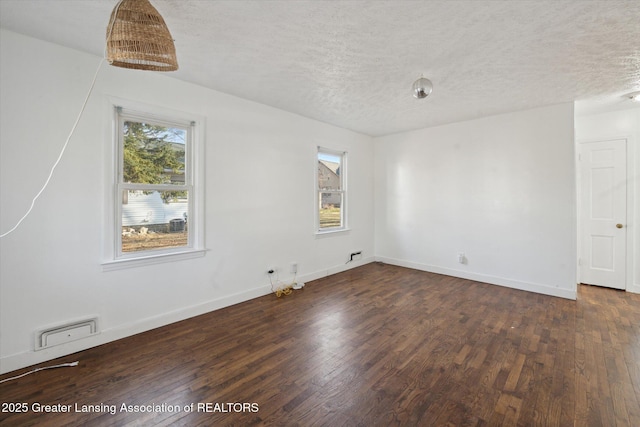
x=66, y=333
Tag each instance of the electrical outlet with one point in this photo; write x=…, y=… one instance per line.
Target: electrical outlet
x=294, y=267
x=462, y=259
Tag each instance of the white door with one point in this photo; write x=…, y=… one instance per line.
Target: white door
x=603, y=181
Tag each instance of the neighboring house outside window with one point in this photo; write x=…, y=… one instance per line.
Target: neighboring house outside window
x=331, y=191
x=156, y=210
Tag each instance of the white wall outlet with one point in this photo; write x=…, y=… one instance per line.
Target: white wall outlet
x=294, y=267
x=462, y=258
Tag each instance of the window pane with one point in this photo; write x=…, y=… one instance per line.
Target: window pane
x=329, y=172
x=154, y=220
x=153, y=154
x=330, y=210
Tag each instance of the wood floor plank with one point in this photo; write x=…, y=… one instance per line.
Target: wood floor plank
x=378, y=345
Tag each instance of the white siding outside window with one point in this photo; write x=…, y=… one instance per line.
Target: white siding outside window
x=331, y=191
x=157, y=206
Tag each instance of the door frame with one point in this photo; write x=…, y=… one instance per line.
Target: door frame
x=629, y=156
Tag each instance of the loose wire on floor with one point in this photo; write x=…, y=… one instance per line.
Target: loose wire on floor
x=282, y=288
x=62, y=365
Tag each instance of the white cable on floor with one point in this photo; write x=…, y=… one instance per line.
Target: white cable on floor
x=62, y=365
x=64, y=147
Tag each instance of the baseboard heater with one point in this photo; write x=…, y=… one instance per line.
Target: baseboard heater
x=66, y=333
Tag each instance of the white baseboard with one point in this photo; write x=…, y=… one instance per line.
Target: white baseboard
x=28, y=358
x=485, y=278
x=336, y=269
x=634, y=289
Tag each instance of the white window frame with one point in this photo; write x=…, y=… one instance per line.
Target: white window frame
x=343, y=191
x=194, y=183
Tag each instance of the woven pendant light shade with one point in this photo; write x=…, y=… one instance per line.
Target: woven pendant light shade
x=138, y=38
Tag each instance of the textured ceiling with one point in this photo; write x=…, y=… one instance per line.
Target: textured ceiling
x=352, y=63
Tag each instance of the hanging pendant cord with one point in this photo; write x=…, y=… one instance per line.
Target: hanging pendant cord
x=64, y=148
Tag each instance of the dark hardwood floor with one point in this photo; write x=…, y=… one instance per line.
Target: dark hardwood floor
x=374, y=346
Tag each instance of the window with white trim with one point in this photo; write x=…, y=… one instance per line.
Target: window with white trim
x=331, y=191
x=156, y=206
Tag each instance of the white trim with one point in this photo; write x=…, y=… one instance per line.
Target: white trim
x=631, y=190
x=195, y=171
x=28, y=358
x=141, y=261
x=485, y=278
x=331, y=231
x=334, y=270
x=124, y=115
x=343, y=191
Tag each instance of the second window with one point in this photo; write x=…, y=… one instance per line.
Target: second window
x=331, y=190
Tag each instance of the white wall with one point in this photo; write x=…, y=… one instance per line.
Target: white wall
x=500, y=189
x=613, y=125
x=260, y=169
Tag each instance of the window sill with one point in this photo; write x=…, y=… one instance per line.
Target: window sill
x=121, y=264
x=326, y=233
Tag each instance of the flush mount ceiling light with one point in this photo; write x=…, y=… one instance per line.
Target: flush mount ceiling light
x=422, y=88
x=138, y=38
x=635, y=96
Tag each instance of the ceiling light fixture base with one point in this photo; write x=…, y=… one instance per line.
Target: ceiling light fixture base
x=422, y=88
